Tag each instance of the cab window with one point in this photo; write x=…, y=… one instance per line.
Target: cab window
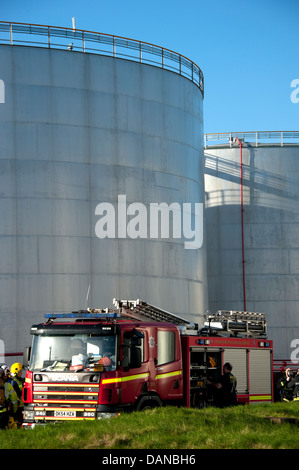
x=166, y=346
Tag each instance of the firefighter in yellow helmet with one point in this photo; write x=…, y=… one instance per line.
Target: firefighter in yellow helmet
x=17, y=382
x=8, y=399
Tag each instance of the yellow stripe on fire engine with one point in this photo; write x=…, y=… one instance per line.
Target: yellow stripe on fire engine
x=54, y=384
x=53, y=408
x=125, y=379
x=65, y=401
x=49, y=392
x=64, y=418
x=260, y=397
x=169, y=374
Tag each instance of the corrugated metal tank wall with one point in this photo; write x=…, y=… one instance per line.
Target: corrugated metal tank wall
x=271, y=228
x=78, y=130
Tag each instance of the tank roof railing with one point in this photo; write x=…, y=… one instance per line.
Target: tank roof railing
x=99, y=43
x=257, y=138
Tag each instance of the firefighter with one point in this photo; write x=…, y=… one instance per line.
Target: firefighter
x=17, y=382
x=3, y=407
x=226, y=388
x=295, y=386
x=77, y=352
x=9, y=400
x=106, y=362
x=286, y=386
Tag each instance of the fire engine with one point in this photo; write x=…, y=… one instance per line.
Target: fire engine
x=92, y=364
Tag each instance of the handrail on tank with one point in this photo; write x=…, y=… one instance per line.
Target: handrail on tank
x=258, y=138
x=103, y=44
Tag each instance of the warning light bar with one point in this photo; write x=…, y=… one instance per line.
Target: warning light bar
x=90, y=313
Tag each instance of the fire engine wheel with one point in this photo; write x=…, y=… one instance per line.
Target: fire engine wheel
x=148, y=403
x=147, y=406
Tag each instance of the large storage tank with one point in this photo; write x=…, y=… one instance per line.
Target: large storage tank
x=81, y=129
x=252, y=217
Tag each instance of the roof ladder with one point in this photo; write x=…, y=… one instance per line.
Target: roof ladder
x=140, y=310
x=236, y=322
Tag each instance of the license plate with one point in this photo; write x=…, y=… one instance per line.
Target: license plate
x=64, y=414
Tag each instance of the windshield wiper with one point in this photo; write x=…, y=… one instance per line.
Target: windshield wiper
x=49, y=367
x=62, y=364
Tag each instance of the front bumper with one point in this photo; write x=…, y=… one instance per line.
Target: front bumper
x=41, y=415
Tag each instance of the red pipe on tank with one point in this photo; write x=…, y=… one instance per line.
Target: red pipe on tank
x=242, y=223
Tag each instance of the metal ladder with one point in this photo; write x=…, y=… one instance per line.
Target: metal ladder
x=251, y=324
x=142, y=311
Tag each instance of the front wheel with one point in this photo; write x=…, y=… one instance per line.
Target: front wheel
x=148, y=403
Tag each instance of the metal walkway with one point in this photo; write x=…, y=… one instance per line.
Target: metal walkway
x=234, y=322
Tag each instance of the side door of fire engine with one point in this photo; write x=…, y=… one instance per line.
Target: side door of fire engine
x=168, y=364
x=238, y=357
x=134, y=371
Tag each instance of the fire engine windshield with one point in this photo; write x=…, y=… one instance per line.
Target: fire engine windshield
x=73, y=352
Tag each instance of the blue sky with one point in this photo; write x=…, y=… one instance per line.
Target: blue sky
x=248, y=50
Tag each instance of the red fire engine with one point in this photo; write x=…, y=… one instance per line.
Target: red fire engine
x=91, y=364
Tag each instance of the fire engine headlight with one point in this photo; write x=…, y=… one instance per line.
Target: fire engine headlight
x=107, y=415
x=29, y=415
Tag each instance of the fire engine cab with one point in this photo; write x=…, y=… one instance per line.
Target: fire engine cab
x=91, y=364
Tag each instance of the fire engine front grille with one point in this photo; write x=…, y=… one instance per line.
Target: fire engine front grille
x=53, y=393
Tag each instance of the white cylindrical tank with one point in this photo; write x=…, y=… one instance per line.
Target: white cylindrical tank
x=254, y=263
x=78, y=131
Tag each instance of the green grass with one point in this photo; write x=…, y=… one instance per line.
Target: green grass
x=242, y=427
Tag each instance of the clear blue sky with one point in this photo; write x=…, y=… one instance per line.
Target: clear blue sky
x=247, y=50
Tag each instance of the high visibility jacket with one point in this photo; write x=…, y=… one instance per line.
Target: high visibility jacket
x=228, y=392
x=295, y=383
x=2, y=394
x=18, y=386
x=11, y=397
x=286, y=389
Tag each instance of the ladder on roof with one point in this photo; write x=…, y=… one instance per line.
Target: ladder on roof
x=140, y=310
x=236, y=322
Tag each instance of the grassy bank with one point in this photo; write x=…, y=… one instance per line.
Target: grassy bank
x=242, y=427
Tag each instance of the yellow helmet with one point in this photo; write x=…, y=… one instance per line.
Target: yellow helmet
x=16, y=367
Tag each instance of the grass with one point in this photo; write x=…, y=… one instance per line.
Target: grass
x=242, y=427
